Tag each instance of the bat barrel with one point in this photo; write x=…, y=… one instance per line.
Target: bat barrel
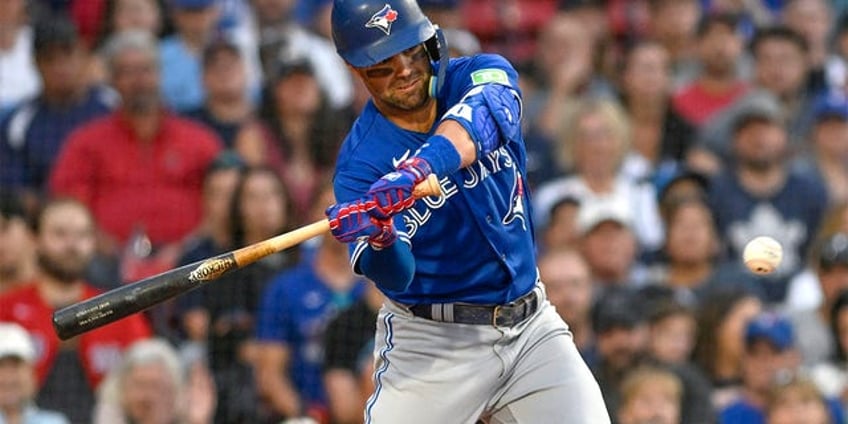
x=118, y=303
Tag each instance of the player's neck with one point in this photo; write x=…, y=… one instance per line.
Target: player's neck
x=418, y=120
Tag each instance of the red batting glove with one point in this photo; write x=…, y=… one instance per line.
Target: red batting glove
x=351, y=222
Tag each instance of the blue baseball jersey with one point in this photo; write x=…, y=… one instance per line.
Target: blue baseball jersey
x=295, y=311
x=475, y=243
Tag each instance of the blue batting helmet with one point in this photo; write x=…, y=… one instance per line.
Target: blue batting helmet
x=367, y=32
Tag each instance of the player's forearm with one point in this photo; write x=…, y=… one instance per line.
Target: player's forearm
x=391, y=268
x=460, y=140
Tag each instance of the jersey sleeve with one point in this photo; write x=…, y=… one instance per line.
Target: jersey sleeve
x=479, y=70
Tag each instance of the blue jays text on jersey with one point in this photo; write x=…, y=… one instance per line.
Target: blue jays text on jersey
x=474, y=244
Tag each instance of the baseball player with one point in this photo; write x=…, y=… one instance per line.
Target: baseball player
x=466, y=332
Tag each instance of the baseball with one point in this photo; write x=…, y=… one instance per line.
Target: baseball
x=762, y=255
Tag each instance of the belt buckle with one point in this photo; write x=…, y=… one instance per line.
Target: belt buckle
x=495, y=313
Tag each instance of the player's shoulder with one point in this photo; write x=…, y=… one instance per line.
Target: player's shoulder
x=482, y=68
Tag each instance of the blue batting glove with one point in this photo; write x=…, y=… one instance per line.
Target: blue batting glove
x=392, y=193
x=351, y=222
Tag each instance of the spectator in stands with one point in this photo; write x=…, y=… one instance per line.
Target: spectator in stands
x=621, y=334
x=148, y=177
x=718, y=348
x=151, y=385
x=608, y=243
x=17, y=380
x=673, y=23
x=780, y=76
x=180, y=54
x=813, y=20
x=510, y=29
x=831, y=375
x=836, y=66
x=17, y=245
x=569, y=289
x=293, y=316
x=770, y=357
x=762, y=195
x=650, y=395
x=68, y=372
x=561, y=229
x=827, y=151
x=598, y=145
x=692, y=246
x=34, y=132
x=672, y=331
x=280, y=38
x=719, y=48
x=797, y=401
x=223, y=315
x=814, y=337
x=348, y=358
x=562, y=75
x=658, y=135
x=17, y=65
x=227, y=109
x=303, y=132
x=123, y=16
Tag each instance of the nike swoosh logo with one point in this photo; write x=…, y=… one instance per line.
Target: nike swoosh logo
x=396, y=162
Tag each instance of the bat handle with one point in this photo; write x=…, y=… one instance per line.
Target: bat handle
x=428, y=187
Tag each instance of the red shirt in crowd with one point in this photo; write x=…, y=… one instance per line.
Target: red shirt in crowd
x=697, y=105
x=99, y=349
x=129, y=183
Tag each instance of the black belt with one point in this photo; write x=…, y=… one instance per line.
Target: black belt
x=498, y=315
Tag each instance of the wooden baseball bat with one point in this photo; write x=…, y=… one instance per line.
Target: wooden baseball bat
x=120, y=302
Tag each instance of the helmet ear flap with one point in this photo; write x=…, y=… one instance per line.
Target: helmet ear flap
x=437, y=49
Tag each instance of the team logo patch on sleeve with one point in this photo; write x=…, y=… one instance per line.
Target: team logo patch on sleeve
x=484, y=76
x=383, y=19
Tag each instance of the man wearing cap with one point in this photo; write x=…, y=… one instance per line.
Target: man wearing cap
x=608, y=243
x=770, y=358
x=829, y=277
x=761, y=195
x=32, y=135
x=828, y=150
x=17, y=380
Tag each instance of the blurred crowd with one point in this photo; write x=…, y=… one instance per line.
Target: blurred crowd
x=662, y=135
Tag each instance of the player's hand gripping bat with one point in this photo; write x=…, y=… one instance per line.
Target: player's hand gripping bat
x=135, y=297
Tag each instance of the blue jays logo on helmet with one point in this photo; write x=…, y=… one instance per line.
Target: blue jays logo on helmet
x=383, y=19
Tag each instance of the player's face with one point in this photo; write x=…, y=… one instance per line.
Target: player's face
x=400, y=82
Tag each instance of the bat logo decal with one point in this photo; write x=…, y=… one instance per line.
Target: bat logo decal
x=383, y=19
x=212, y=268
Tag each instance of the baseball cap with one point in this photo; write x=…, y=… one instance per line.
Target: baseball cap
x=831, y=106
x=771, y=327
x=833, y=252
x=597, y=211
x=666, y=178
x=15, y=342
x=296, y=65
x=617, y=308
x=192, y=4
x=761, y=107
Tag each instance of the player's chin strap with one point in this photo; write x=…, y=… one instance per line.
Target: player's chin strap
x=437, y=47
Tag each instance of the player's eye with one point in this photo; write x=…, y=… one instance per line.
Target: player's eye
x=380, y=72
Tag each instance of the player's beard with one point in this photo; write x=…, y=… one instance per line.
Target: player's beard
x=67, y=268
x=413, y=100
